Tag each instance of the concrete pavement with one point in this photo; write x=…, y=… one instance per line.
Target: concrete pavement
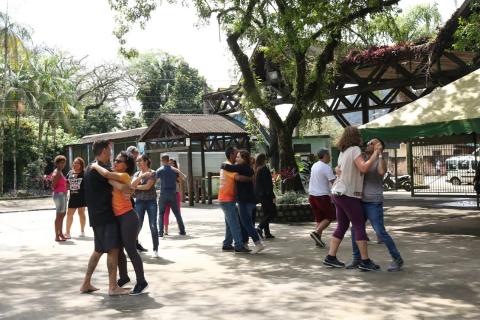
x=194, y=279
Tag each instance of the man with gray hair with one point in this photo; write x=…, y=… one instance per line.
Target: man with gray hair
x=319, y=189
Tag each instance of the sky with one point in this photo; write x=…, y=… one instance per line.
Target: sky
x=84, y=28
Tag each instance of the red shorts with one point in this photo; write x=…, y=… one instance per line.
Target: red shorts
x=322, y=208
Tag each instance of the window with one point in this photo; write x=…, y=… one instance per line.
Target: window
x=437, y=153
x=302, y=148
x=452, y=165
x=473, y=164
x=463, y=165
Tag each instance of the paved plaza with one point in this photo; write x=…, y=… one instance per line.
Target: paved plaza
x=194, y=279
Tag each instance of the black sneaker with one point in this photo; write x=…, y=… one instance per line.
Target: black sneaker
x=269, y=236
x=353, y=264
x=396, y=265
x=141, y=248
x=260, y=233
x=242, y=250
x=368, y=265
x=228, y=248
x=139, y=289
x=318, y=241
x=121, y=282
x=182, y=233
x=333, y=262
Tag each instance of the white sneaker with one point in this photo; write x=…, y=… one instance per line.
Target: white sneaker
x=155, y=254
x=82, y=235
x=258, y=247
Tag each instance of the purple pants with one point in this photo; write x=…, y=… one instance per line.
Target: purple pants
x=349, y=209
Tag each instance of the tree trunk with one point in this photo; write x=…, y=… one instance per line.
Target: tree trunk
x=54, y=133
x=14, y=151
x=45, y=143
x=41, y=124
x=287, y=159
x=273, y=149
x=4, y=106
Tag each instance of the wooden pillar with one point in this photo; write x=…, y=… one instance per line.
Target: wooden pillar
x=365, y=105
x=202, y=157
x=190, y=173
x=210, y=191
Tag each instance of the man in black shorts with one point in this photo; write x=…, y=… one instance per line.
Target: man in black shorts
x=98, y=195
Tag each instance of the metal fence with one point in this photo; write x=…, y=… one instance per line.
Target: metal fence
x=444, y=169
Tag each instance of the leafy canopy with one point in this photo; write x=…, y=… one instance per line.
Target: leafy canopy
x=166, y=83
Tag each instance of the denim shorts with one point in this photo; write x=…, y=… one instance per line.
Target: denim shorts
x=60, y=199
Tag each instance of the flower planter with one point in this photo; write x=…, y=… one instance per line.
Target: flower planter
x=290, y=213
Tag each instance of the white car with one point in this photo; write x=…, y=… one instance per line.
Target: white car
x=461, y=169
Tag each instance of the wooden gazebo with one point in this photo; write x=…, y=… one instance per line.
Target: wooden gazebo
x=178, y=132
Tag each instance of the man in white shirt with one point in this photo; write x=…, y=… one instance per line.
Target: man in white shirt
x=321, y=178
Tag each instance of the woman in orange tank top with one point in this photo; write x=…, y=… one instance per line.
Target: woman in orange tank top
x=128, y=221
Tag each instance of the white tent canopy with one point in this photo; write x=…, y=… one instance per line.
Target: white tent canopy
x=450, y=110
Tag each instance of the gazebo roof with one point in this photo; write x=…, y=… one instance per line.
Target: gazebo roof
x=191, y=125
x=133, y=133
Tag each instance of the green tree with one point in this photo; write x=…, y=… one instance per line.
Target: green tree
x=166, y=83
x=419, y=23
x=101, y=120
x=131, y=121
x=12, y=37
x=299, y=37
x=467, y=36
x=28, y=149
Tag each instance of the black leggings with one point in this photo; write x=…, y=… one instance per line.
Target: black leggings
x=129, y=226
x=269, y=213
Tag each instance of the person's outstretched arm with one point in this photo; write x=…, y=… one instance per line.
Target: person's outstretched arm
x=115, y=176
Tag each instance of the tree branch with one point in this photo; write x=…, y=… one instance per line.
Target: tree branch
x=249, y=85
x=321, y=65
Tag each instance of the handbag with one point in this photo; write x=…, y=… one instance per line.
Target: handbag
x=339, y=188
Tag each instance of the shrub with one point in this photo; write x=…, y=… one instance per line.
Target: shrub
x=292, y=198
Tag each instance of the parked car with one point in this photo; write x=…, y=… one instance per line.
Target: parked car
x=461, y=169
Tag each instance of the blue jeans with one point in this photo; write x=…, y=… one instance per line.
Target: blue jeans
x=374, y=213
x=232, y=225
x=171, y=199
x=246, y=214
x=151, y=207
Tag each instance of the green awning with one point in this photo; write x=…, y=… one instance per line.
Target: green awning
x=451, y=110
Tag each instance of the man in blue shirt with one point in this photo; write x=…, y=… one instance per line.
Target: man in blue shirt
x=168, y=193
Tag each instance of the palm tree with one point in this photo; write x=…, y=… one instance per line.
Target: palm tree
x=18, y=96
x=13, y=37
